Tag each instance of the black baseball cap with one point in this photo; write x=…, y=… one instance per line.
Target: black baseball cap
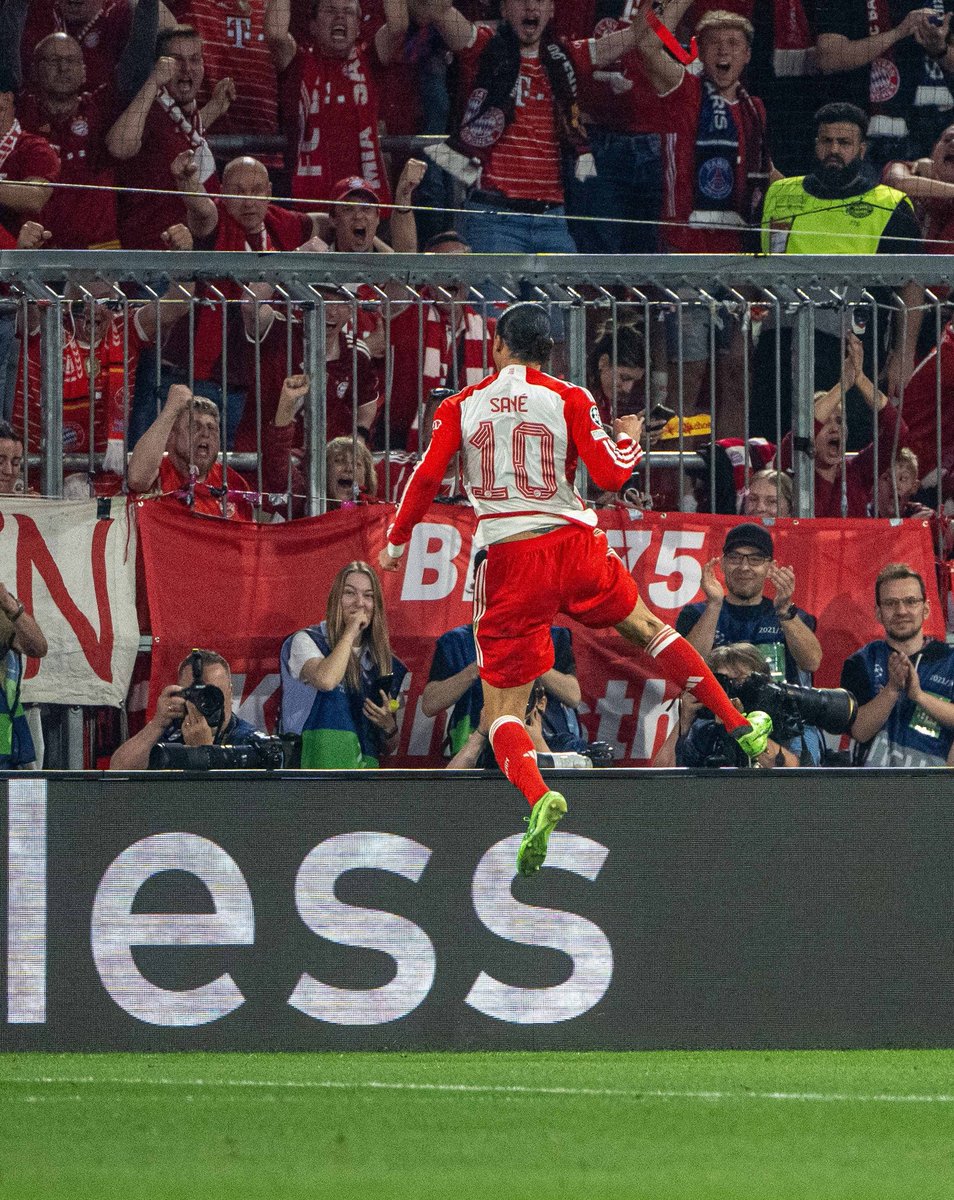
x=750, y=534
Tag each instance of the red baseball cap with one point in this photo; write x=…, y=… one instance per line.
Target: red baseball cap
x=354, y=185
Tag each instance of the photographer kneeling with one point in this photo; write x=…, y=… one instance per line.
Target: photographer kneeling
x=742, y=670
x=197, y=711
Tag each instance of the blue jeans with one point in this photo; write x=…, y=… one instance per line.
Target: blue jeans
x=628, y=185
x=518, y=233
x=490, y=231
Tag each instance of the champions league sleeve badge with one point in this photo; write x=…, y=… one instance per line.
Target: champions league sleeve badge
x=716, y=178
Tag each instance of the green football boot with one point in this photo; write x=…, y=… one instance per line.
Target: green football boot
x=540, y=824
x=752, y=741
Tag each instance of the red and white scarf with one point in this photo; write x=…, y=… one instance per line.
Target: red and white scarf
x=191, y=130
x=8, y=142
x=794, y=52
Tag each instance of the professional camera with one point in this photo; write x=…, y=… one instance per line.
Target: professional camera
x=259, y=753
x=792, y=706
x=208, y=699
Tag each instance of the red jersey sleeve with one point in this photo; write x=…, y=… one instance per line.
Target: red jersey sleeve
x=429, y=472
x=36, y=158
x=609, y=463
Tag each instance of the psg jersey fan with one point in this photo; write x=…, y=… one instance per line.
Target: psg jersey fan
x=520, y=433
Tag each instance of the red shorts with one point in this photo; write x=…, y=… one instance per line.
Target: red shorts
x=521, y=586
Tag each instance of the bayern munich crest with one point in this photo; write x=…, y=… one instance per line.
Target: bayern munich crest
x=484, y=130
x=885, y=80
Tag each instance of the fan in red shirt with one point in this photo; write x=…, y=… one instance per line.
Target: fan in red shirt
x=234, y=47
x=332, y=90
x=520, y=118
x=101, y=27
x=75, y=120
x=930, y=184
x=162, y=120
x=243, y=219
x=446, y=342
x=100, y=354
x=351, y=382
x=177, y=460
x=716, y=167
x=715, y=145
x=28, y=165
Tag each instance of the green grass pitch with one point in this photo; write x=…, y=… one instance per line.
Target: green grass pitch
x=660, y=1125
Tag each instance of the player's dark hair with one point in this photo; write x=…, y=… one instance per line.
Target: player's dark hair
x=841, y=112
x=525, y=330
x=897, y=571
x=165, y=36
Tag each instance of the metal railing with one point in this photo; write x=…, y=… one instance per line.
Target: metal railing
x=716, y=298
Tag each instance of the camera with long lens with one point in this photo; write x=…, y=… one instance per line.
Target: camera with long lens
x=208, y=699
x=792, y=706
x=259, y=753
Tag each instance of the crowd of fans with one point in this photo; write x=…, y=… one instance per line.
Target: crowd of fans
x=526, y=126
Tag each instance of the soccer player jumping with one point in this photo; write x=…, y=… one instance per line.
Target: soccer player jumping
x=520, y=433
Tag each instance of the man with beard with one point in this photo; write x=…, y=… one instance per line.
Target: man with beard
x=838, y=209
x=741, y=612
x=904, y=682
x=177, y=458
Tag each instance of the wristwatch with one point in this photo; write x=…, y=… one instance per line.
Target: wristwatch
x=788, y=614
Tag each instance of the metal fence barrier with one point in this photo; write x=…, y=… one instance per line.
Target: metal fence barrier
x=740, y=336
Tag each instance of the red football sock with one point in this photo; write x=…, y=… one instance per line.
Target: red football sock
x=514, y=751
x=682, y=664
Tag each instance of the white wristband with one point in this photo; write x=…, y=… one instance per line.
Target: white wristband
x=395, y=551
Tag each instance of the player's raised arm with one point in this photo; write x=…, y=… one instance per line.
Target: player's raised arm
x=424, y=483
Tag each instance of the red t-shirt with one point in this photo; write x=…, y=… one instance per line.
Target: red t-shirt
x=142, y=216
x=112, y=389
x=624, y=111
x=337, y=104
x=234, y=46
x=170, y=488
x=676, y=116
x=102, y=39
x=525, y=163
x=79, y=219
x=574, y=20
x=31, y=157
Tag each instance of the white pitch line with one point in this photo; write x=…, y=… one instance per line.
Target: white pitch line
x=485, y=1089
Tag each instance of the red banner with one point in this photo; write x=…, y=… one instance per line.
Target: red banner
x=241, y=589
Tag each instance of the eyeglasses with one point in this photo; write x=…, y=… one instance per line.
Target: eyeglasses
x=737, y=560
x=901, y=602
